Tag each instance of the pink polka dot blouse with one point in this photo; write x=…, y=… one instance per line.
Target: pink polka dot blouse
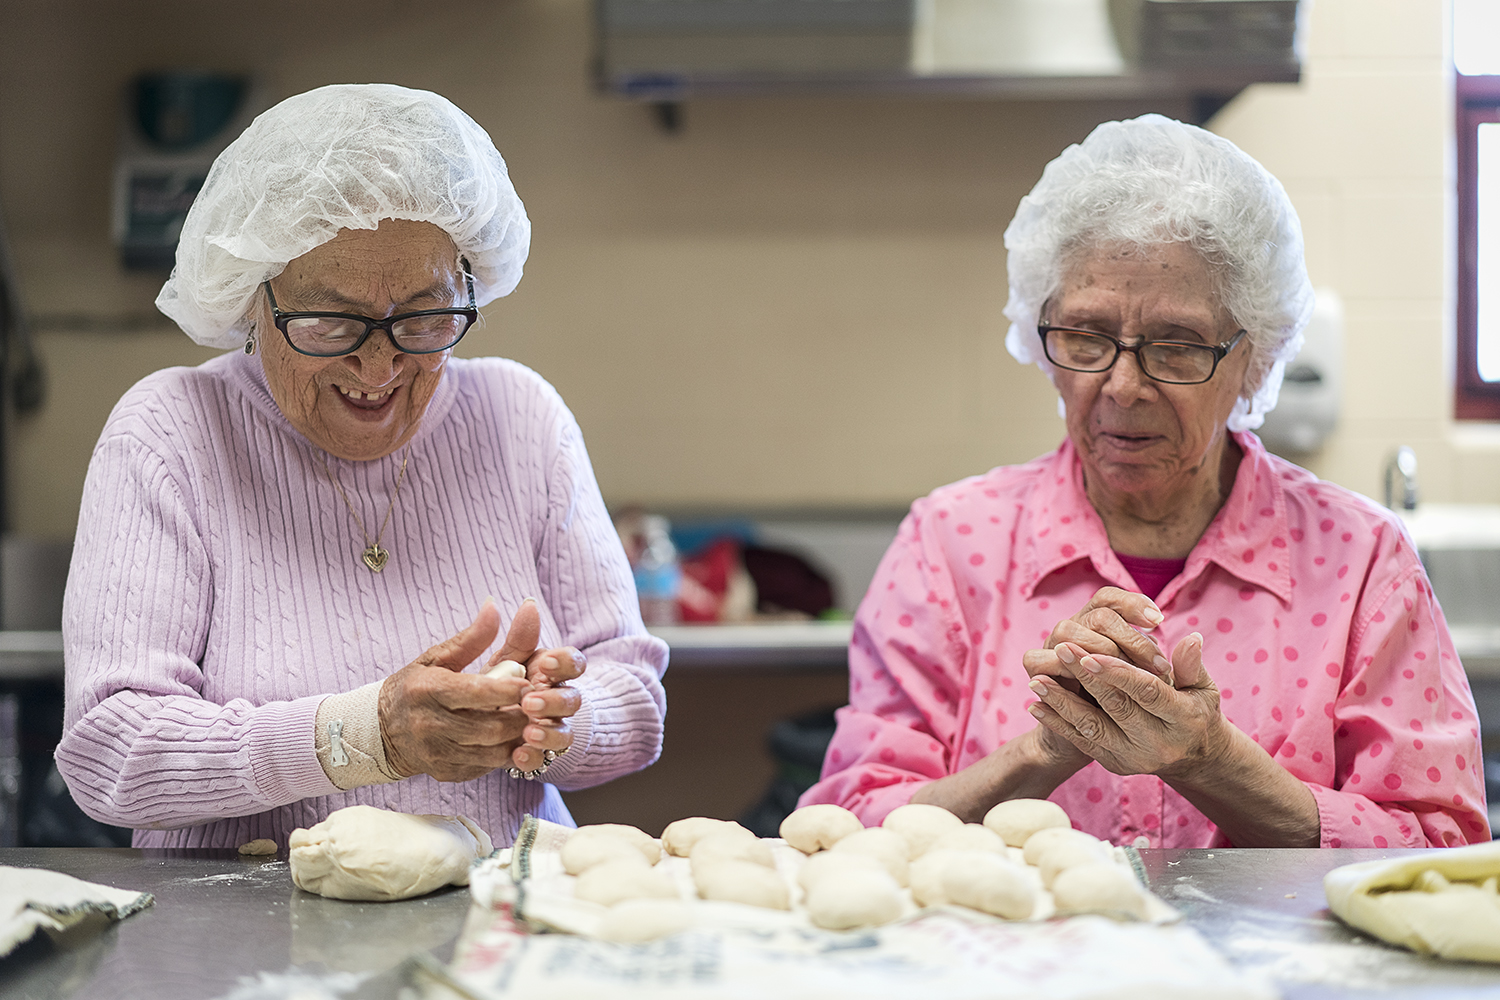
x=1319, y=625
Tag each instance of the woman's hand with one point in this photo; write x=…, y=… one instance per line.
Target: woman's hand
x=1140, y=723
x=435, y=719
x=550, y=703
x=1107, y=625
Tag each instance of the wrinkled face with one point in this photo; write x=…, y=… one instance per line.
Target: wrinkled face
x=367, y=404
x=1136, y=435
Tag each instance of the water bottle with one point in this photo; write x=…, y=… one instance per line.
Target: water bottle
x=658, y=576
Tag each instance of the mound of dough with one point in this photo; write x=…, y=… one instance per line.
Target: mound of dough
x=616, y=881
x=256, y=848
x=580, y=854
x=1016, y=820
x=886, y=846
x=731, y=845
x=638, y=920
x=853, y=897
x=1435, y=902
x=921, y=825
x=928, y=873
x=680, y=836
x=360, y=852
x=1099, y=887
x=970, y=837
x=1044, y=840
x=648, y=845
x=817, y=828
x=827, y=863
x=1061, y=857
x=742, y=882
x=987, y=882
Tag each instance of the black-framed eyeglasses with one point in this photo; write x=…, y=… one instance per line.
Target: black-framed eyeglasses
x=330, y=335
x=1173, y=361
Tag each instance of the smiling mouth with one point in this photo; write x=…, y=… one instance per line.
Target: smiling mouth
x=366, y=400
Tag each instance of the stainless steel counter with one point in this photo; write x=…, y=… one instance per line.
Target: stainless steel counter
x=224, y=924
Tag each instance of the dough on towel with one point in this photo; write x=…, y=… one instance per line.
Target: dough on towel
x=680, y=836
x=1044, y=841
x=985, y=881
x=887, y=846
x=854, y=897
x=638, y=920
x=826, y=863
x=921, y=825
x=616, y=881
x=360, y=852
x=818, y=827
x=594, y=845
x=731, y=845
x=970, y=837
x=1456, y=915
x=1017, y=819
x=1099, y=887
x=742, y=882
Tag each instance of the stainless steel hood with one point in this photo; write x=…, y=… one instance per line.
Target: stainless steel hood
x=669, y=50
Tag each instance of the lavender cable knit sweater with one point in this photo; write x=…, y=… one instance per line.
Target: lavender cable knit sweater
x=216, y=596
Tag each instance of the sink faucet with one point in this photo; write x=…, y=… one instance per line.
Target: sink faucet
x=1403, y=464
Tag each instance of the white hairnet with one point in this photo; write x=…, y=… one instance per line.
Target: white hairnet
x=1150, y=181
x=340, y=157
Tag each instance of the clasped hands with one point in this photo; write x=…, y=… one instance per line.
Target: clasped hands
x=435, y=719
x=1108, y=693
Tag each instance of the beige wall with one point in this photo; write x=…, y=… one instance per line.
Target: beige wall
x=792, y=302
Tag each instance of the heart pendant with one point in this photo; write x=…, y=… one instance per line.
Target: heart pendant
x=375, y=558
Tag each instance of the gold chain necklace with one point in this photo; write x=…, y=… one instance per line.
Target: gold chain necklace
x=374, y=556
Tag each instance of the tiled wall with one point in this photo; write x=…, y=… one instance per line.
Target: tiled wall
x=791, y=302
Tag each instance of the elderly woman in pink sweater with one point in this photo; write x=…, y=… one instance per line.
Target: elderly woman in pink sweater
x=270, y=541
x=1181, y=639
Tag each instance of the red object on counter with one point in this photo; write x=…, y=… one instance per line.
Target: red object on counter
x=705, y=580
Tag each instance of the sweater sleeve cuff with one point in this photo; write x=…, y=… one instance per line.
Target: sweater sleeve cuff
x=283, y=762
x=348, y=741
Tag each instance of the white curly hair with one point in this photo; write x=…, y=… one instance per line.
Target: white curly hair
x=1151, y=181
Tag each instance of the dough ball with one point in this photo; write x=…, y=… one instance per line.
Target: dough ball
x=886, y=846
x=921, y=825
x=648, y=845
x=817, y=828
x=507, y=668
x=1045, y=840
x=826, y=863
x=1060, y=857
x=987, y=882
x=732, y=845
x=742, y=882
x=970, y=837
x=616, y=881
x=853, y=897
x=928, y=873
x=637, y=920
x=583, y=851
x=258, y=847
x=679, y=837
x=1017, y=819
x=360, y=852
x=1099, y=887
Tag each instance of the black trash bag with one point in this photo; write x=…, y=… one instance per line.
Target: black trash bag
x=798, y=746
x=49, y=816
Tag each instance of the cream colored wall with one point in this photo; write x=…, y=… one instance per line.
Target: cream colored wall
x=791, y=302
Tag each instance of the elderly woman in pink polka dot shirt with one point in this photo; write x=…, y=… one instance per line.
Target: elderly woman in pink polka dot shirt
x=1178, y=637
